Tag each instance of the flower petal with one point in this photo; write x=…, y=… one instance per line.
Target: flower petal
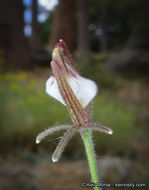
x=52, y=89
x=78, y=114
x=84, y=89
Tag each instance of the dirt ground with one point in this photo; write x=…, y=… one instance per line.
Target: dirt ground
x=17, y=174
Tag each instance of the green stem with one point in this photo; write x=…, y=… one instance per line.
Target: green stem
x=87, y=139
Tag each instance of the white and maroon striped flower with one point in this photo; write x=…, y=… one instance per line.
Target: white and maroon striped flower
x=67, y=86
x=75, y=92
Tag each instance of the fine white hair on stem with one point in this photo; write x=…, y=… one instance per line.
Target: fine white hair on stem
x=50, y=131
x=62, y=144
x=86, y=135
x=99, y=127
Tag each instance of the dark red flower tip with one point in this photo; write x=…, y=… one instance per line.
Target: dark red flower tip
x=62, y=44
x=65, y=53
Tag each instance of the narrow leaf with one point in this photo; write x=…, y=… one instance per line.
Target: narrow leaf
x=50, y=131
x=62, y=144
x=99, y=127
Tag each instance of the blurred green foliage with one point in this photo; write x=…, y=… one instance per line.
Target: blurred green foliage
x=120, y=118
x=95, y=69
x=26, y=110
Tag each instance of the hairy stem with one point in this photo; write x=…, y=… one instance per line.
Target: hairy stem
x=87, y=139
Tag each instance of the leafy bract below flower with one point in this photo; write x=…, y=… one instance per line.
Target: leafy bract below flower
x=75, y=92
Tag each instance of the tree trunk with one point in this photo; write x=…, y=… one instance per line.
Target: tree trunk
x=83, y=40
x=35, y=40
x=64, y=24
x=103, y=21
x=140, y=27
x=13, y=42
x=134, y=58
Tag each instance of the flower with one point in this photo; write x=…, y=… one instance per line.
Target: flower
x=75, y=92
x=67, y=86
x=84, y=89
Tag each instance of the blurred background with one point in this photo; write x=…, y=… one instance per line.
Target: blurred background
x=109, y=41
